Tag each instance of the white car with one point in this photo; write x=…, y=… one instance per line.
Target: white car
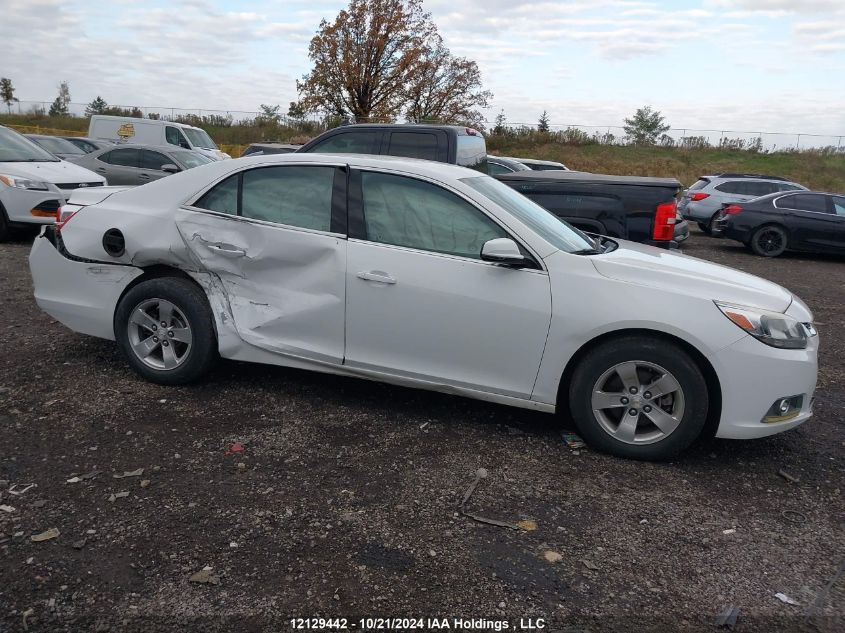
x=34, y=183
x=432, y=276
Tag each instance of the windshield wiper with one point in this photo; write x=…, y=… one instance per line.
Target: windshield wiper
x=587, y=251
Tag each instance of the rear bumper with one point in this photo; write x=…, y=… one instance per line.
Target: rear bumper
x=81, y=295
x=753, y=376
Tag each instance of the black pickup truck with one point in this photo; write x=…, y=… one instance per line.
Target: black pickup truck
x=628, y=207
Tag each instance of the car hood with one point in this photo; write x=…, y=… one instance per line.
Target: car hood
x=658, y=268
x=54, y=172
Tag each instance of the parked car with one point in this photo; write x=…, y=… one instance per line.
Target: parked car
x=153, y=132
x=139, y=164
x=449, y=280
x=542, y=165
x=88, y=145
x=34, y=183
x=497, y=165
x=628, y=207
x=443, y=143
x=812, y=222
x=270, y=148
x=702, y=201
x=58, y=147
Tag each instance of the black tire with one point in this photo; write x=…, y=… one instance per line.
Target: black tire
x=5, y=231
x=191, y=304
x=705, y=227
x=694, y=398
x=769, y=240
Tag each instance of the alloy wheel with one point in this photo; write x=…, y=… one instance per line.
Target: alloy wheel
x=638, y=402
x=159, y=334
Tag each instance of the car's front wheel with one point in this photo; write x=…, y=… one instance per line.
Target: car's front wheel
x=164, y=329
x=639, y=397
x=769, y=241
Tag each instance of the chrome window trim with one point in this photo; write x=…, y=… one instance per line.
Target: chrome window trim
x=800, y=193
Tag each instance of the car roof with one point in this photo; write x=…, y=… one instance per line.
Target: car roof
x=740, y=176
x=460, y=129
x=586, y=177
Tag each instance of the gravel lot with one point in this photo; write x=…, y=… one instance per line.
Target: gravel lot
x=343, y=502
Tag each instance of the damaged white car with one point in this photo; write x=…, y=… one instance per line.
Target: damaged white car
x=432, y=276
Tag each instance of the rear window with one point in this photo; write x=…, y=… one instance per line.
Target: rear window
x=472, y=152
x=700, y=184
x=413, y=145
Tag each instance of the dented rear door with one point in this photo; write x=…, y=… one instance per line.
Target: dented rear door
x=280, y=253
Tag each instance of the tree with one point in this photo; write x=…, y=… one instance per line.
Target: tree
x=296, y=111
x=445, y=88
x=500, y=124
x=62, y=101
x=7, y=93
x=543, y=123
x=645, y=126
x=365, y=59
x=269, y=113
x=97, y=106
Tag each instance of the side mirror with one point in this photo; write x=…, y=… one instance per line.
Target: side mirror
x=169, y=168
x=502, y=250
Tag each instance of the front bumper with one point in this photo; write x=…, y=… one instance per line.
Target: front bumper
x=80, y=294
x=27, y=206
x=753, y=376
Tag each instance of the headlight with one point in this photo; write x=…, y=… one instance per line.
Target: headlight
x=23, y=183
x=772, y=328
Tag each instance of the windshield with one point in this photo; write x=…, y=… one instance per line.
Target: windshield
x=551, y=228
x=15, y=148
x=190, y=160
x=58, y=145
x=199, y=138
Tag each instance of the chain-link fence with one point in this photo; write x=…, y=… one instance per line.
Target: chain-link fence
x=576, y=134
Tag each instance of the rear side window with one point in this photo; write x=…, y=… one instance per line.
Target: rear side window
x=298, y=196
x=223, y=198
x=413, y=145
x=735, y=186
x=351, y=142
x=785, y=187
x=839, y=205
x=415, y=214
x=804, y=202
x=700, y=184
x=125, y=157
x=472, y=152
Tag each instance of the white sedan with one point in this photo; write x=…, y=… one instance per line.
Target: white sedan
x=431, y=276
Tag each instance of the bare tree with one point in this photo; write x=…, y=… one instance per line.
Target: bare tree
x=7, y=93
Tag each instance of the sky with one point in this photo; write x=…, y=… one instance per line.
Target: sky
x=746, y=65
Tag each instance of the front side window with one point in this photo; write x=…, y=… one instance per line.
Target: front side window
x=407, y=212
x=413, y=145
x=174, y=137
x=125, y=157
x=295, y=195
x=348, y=143
x=495, y=169
x=552, y=229
x=805, y=202
x=153, y=160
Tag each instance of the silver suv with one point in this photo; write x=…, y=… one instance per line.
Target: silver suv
x=702, y=201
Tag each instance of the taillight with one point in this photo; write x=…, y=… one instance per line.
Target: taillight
x=64, y=214
x=732, y=209
x=698, y=195
x=664, y=221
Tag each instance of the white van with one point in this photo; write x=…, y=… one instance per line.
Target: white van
x=120, y=129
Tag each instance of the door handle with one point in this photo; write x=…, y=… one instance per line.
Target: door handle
x=376, y=275
x=226, y=252
x=143, y=176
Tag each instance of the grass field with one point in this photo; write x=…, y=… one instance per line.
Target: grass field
x=816, y=170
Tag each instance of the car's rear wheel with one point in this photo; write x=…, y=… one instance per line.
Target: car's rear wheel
x=704, y=226
x=639, y=397
x=769, y=241
x=165, y=330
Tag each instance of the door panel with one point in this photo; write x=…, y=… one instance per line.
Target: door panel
x=445, y=319
x=285, y=287
x=810, y=220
